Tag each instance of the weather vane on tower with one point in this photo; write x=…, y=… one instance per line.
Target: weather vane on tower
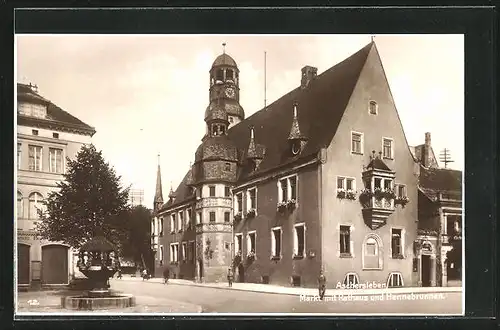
x=224, y=47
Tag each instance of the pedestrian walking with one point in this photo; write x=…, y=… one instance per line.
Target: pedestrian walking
x=145, y=274
x=230, y=277
x=119, y=276
x=321, y=285
x=166, y=275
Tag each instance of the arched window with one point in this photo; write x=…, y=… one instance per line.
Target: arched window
x=395, y=280
x=372, y=253
x=351, y=279
x=35, y=203
x=19, y=205
x=229, y=74
x=373, y=108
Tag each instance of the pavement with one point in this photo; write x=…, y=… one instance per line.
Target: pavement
x=296, y=291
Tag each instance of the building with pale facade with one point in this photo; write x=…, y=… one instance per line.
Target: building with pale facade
x=46, y=135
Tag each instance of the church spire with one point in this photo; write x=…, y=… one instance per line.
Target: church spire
x=158, y=200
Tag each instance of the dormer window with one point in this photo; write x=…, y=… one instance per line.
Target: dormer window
x=295, y=147
x=33, y=110
x=373, y=108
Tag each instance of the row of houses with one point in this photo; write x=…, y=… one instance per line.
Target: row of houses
x=321, y=179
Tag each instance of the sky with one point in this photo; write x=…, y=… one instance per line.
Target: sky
x=146, y=94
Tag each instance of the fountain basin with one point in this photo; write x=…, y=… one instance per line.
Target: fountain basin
x=86, y=302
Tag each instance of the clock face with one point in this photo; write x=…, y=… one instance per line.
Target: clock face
x=230, y=92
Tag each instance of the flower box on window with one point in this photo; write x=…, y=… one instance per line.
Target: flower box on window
x=341, y=193
x=281, y=207
x=402, y=200
x=388, y=194
x=238, y=216
x=275, y=258
x=251, y=255
x=251, y=214
x=345, y=255
x=298, y=256
x=378, y=193
x=291, y=204
x=397, y=256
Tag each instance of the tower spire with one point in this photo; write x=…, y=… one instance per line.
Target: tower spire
x=223, y=47
x=158, y=200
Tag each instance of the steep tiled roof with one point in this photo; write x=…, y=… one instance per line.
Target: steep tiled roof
x=378, y=164
x=54, y=113
x=435, y=180
x=320, y=108
x=224, y=59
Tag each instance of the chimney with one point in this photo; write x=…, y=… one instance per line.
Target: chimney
x=308, y=74
x=426, y=154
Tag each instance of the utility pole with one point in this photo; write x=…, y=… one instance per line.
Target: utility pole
x=445, y=157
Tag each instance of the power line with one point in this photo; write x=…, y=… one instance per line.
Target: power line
x=445, y=157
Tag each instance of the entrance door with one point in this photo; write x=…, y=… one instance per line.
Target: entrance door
x=426, y=270
x=241, y=273
x=54, y=264
x=23, y=264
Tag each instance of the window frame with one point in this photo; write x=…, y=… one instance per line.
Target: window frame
x=237, y=197
x=397, y=187
x=249, y=198
x=346, y=281
x=227, y=191
x=349, y=254
x=401, y=242
x=379, y=252
x=54, y=159
x=35, y=168
x=20, y=205
x=296, y=251
x=391, y=157
x=180, y=221
x=37, y=202
x=212, y=188
x=274, y=255
x=210, y=217
x=172, y=223
x=19, y=155
x=361, y=143
x=227, y=217
x=375, y=106
x=249, y=242
x=238, y=247
x=289, y=194
x=391, y=277
x=184, y=251
x=344, y=182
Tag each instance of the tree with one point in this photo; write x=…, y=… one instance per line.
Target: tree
x=137, y=243
x=89, y=202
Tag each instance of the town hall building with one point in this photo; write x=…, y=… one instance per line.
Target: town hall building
x=322, y=179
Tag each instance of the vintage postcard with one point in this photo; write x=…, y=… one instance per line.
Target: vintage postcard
x=239, y=174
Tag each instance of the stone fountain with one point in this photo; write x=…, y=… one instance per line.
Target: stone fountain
x=98, y=261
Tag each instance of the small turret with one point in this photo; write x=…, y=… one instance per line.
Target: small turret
x=296, y=139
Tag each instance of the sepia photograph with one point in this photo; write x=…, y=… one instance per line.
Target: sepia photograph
x=239, y=174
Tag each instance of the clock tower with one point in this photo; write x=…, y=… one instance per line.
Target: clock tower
x=224, y=88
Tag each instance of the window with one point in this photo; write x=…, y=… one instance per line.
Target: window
x=35, y=204
x=351, y=279
x=35, y=158
x=387, y=148
x=219, y=75
x=55, y=160
x=373, y=108
x=34, y=131
x=378, y=183
x=345, y=240
x=18, y=155
x=397, y=243
x=227, y=167
x=161, y=254
x=191, y=251
x=172, y=223
x=231, y=120
x=252, y=200
x=211, y=191
x=276, y=243
x=19, y=205
x=227, y=191
x=238, y=243
x=356, y=143
x=287, y=189
x=284, y=190
x=372, y=255
x=401, y=190
x=174, y=252
x=395, y=280
x=345, y=183
x=184, y=251
x=188, y=218
x=180, y=221
x=251, y=241
x=55, y=135
x=212, y=217
x=199, y=218
x=227, y=217
x=160, y=226
x=229, y=74
x=239, y=203
x=299, y=242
